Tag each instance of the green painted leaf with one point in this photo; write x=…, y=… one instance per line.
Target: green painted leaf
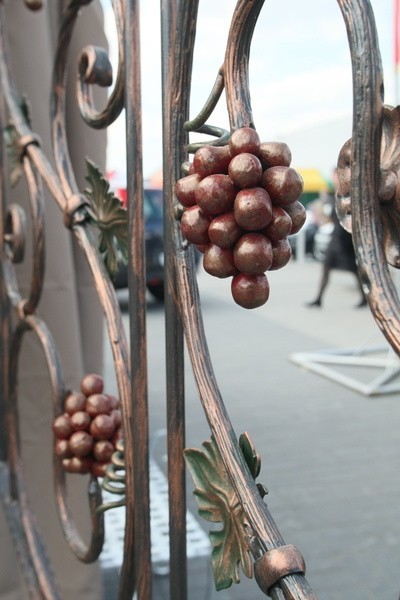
x=109, y=216
x=218, y=503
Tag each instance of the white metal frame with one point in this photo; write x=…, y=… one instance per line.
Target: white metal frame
x=323, y=361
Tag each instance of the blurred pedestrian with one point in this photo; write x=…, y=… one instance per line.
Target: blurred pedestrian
x=339, y=255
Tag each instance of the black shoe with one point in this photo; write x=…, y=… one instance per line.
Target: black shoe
x=316, y=303
x=361, y=304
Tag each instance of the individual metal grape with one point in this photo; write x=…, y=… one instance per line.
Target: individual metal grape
x=298, y=214
x=253, y=209
x=245, y=170
x=215, y=194
x=62, y=427
x=224, y=230
x=80, y=421
x=81, y=443
x=253, y=254
x=283, y=184
x=102, y=427
x=62, y=449
x=219, y=261
x=281, y=254
x=97, y=404
x=117, y=416
x=81, y=465
x=244, y=139
x=194, y=225
x=274, y=154
x=280, y=226
x=209, y=160
x=103, y=451
x=34, y=4
x=92, y=384
x=98, y=469
x=115, y=402
x=74, y=402
x=185, y=189
x=250, y=291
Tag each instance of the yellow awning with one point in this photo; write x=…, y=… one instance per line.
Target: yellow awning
x=314, y=181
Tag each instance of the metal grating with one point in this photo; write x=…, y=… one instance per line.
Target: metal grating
x=198, y=543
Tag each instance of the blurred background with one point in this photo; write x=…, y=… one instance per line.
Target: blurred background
x=300, y=77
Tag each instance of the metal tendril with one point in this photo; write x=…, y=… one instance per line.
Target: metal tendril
x=198, y=124
x=114, y=479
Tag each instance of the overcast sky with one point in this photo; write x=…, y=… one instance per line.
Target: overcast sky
x=300, y=76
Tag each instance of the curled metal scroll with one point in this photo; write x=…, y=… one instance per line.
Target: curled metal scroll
x=94, y=67
x=80, y=549
x=29, y=305
x=367, y=230
x=62, y=187
x=86, y=241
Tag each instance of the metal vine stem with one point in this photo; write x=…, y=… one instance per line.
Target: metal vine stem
x=279, y=568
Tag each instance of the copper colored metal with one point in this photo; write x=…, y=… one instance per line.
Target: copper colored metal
x=371, y=233
x=278, y=563
x=136, y=568
x=369, y=168
x=175, y=138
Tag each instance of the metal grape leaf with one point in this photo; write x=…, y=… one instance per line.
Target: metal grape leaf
x=109, y=216
x=12, y=144
x=218, y=503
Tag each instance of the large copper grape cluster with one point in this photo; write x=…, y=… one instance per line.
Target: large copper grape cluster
x=89, y=428
x=241, y=202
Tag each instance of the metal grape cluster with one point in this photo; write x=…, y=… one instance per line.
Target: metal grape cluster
x=241, y=202
x=87, y=432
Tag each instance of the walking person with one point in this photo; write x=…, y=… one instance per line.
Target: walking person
x=339, y=255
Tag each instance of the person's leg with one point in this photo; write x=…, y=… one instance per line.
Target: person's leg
x=363, y=300
x=322, y=287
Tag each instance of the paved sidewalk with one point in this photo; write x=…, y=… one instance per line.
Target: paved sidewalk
x=330, y=455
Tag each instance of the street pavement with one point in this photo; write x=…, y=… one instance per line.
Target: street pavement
x=330, y=455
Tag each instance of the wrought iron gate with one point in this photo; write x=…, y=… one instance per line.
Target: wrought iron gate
x=226, y=468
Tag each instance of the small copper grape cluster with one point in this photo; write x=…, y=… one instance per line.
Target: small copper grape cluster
x=88, y=430
x=241, y=202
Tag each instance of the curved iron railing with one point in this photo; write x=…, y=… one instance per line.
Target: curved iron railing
x=226, y=468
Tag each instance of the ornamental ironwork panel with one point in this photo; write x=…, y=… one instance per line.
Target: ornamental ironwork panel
x=235, y=199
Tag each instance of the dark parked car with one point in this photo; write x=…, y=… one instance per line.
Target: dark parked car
x=153, y=216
